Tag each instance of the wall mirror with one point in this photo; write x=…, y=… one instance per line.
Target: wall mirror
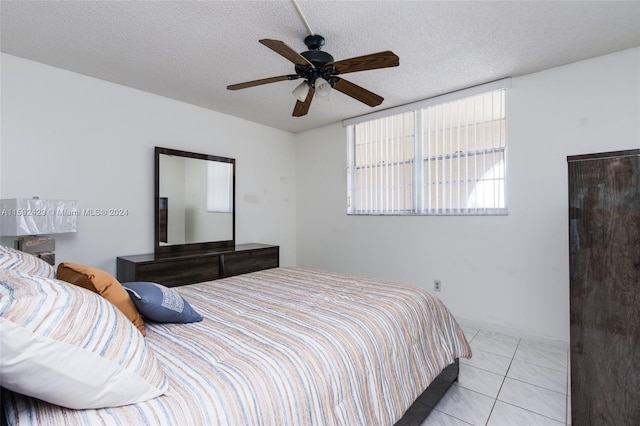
x=194, y=201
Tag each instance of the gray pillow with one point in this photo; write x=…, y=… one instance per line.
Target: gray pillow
x=161, y=304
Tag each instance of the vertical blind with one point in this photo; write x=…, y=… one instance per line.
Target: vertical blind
x=383, y=174
x=445, y=158
x=219, y=187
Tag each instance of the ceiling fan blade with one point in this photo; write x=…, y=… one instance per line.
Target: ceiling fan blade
x=262, y=81
x=282, y=49
x=302, y=108
x=359, y=93
x=367, y=62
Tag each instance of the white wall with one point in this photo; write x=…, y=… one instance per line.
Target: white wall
x=508, y=273
x=69, y=136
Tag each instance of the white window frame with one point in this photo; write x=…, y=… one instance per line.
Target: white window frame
x=418, y=205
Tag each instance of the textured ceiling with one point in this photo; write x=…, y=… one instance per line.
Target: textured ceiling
x=190, y=51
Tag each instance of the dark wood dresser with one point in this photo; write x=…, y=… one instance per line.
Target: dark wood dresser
x=189, y=268
x=604, y=238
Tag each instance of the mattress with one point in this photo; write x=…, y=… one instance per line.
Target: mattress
x=285, y=346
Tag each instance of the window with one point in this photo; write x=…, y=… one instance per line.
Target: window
x=219, y=187
x=444, y=158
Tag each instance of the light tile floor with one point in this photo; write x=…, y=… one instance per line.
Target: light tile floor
x=508, y=382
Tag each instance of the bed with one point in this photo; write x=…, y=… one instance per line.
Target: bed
x=284, y=346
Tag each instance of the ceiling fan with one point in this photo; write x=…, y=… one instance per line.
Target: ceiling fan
x=321, y=73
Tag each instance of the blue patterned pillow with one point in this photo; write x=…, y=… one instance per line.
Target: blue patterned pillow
x=161, y=304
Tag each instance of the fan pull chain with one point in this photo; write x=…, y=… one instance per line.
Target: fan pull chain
x=306, y=24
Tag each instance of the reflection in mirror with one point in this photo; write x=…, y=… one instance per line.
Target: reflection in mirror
x=194, y=200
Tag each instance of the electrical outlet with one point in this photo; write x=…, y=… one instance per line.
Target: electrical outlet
x=437, y=285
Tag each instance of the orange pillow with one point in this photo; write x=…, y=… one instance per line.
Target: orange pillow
x=105, y=285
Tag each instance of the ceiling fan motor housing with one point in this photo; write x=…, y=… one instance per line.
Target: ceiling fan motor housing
x=319, y=59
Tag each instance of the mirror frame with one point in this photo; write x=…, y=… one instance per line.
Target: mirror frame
x=176, y=249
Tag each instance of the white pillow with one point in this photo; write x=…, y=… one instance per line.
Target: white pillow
x=68, y=346
x=20, y=261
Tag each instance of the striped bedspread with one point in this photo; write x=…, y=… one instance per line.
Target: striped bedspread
x=288, y=346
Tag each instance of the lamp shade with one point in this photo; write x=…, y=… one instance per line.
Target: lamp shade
x=301, y=91
x=32, y=216
x=323, y=88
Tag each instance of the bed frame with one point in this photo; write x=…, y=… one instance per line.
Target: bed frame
x=423, y=405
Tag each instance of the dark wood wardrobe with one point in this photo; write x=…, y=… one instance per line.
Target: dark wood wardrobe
x=604, y=241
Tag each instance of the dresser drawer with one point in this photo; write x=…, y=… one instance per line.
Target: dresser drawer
x=242, y=262
x=176, y=272
x=206, y=265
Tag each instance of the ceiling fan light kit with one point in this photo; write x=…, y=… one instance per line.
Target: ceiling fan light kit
x=301, y=91
x=321, y=72
x=323, y=87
